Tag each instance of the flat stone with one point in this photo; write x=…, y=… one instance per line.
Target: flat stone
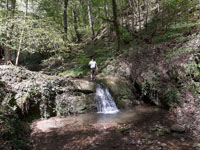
x=84, y=85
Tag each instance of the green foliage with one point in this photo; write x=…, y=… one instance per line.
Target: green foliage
x=149, y=88
x=51, y=9
x=170, y=97
x=177, y=31
x=193, y=71
x=167, y=36
x=13, y=129
x=125, y=35
x=175, y=8
x=174, y=20
x=78, y=71
x=100, y=50
x=178, y=51
x=39, y=36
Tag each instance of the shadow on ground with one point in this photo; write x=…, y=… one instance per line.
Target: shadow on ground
x=142, y=131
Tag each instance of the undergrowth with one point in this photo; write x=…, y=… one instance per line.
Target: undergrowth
x=176, y=31
x=101, y=50
x=12, y=129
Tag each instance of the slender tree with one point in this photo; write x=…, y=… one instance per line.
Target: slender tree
x=65, y=17
x=8, y=53
x=22, y=36
x=92, y=34
x=7, y=49
x=106, y=8
x=115, y=23
x=74, y=14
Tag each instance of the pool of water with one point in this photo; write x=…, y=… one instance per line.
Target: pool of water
x=132, y=115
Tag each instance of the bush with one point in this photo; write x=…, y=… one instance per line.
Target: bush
x=12, y=129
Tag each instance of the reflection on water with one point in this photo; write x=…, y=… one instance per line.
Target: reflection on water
x=121, y=117
x=126, y=116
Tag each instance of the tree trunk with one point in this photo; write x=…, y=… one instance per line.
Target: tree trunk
x=76, y=25
x=147, y=15
x=90, y=19
x=8, y=53
x=131, y=4
x=139, y=19
x=13, y=6
x=7, y=50
x=19, y=49
x=65, y=18
x=106, y=7
x=22, y=36
x=115, y=23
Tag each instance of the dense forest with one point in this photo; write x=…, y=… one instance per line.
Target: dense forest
x=144, y=94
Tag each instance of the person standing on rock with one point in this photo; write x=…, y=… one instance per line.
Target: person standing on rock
x=93, y=68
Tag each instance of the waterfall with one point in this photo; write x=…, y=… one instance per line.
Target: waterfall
x=104, y=100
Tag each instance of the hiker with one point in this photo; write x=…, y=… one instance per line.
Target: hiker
x=93, y=68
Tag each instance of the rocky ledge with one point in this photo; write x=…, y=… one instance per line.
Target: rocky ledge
x=34, y=93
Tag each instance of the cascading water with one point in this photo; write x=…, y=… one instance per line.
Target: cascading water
x=104, y=100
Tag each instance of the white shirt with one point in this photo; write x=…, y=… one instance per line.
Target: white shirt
x=92, y=64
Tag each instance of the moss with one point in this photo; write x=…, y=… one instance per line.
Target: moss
x=164, y=131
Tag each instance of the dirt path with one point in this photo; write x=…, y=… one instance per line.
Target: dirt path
x=144, y=128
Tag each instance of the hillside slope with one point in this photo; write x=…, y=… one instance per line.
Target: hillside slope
x=165, y=73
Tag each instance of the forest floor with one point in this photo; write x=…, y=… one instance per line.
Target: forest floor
x=147, y=128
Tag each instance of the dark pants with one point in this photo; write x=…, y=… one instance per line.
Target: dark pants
x=92, y=72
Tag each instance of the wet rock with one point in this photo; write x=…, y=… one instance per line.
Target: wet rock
x=177, y=128
x=119, y=89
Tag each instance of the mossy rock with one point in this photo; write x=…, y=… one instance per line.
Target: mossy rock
x=84, y=103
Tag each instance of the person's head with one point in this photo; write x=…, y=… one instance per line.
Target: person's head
x=92, y=57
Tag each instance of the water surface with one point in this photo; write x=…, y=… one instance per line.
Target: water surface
x=138, y=113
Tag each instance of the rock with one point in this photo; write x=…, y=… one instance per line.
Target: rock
x=182, y=139
x=49, y=95
x=149, y=142
x=133, y=142
x=177, y=128
x=163, y=144
x=119, y=90
x=84, y=86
